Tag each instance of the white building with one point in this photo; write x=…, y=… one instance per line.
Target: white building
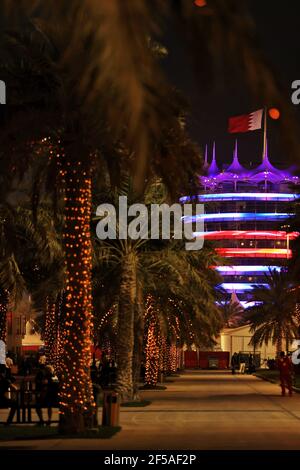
x=238, y=340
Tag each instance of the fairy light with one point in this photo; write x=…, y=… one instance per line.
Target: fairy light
x=177, y=328
x=59, y=337
x=153, y=344
x=165, y=355
x=105, y=319
x=102, y=336
x=178, y=358
x=152, y=356
x=173, y=358
x=297, y=314
x=191, y=331
x=3, y=315
x=76, y=395
x=50, y=331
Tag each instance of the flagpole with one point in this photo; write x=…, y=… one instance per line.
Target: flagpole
x=265, y=134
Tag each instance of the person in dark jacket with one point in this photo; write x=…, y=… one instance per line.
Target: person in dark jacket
x=251, y=367
x=234, y=362
x=51, y=393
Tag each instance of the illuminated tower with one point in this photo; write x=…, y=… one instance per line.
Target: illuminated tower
x=247, y=215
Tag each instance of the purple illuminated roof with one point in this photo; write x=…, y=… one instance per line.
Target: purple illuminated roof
x=213, y=169
x=236, y=168
x=236, y=172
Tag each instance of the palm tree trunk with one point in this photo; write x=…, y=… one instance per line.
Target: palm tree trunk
x=59, y=346
x=173, y=359
x=164, y=353
x=279, y=344
x=287, y=343
x=3, y=314
x=53, y=335
x=138, y=344
x=76, y=393
x=152, y=356
x=50, y=331
x=125, y=329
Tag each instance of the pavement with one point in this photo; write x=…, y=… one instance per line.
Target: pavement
x=200, y=410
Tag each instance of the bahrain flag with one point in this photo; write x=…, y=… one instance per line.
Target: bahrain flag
x=245, y=122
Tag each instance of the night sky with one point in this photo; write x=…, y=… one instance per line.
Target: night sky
x=278, y=30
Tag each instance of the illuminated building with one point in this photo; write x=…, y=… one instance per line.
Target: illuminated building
x=246, y=217
x=23, y=337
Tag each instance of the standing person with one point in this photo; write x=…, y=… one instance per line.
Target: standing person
x=41, y=383
x=51, y=391
x=250, y=366
x=285, y=368
x=241, y=364
x=234, y=362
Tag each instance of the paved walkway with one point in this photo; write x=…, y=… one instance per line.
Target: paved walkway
x=201, y=410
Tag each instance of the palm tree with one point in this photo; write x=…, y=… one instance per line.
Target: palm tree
x=273, y=318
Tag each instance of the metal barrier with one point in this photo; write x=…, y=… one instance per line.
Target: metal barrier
x=24, y=401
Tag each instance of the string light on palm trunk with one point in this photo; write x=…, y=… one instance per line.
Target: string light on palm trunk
x=297, y=314
x=105, y=319
x=3, y=314
x=50, y=331
x=173, y=358
x=76, y=390
x=60, y=336
x=152, y=356
x=153, y=344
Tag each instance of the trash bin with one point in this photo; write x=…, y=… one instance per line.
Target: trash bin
x=160, y=377
x=111, y=409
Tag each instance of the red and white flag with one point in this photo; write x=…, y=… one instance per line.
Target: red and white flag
x=245, y=122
